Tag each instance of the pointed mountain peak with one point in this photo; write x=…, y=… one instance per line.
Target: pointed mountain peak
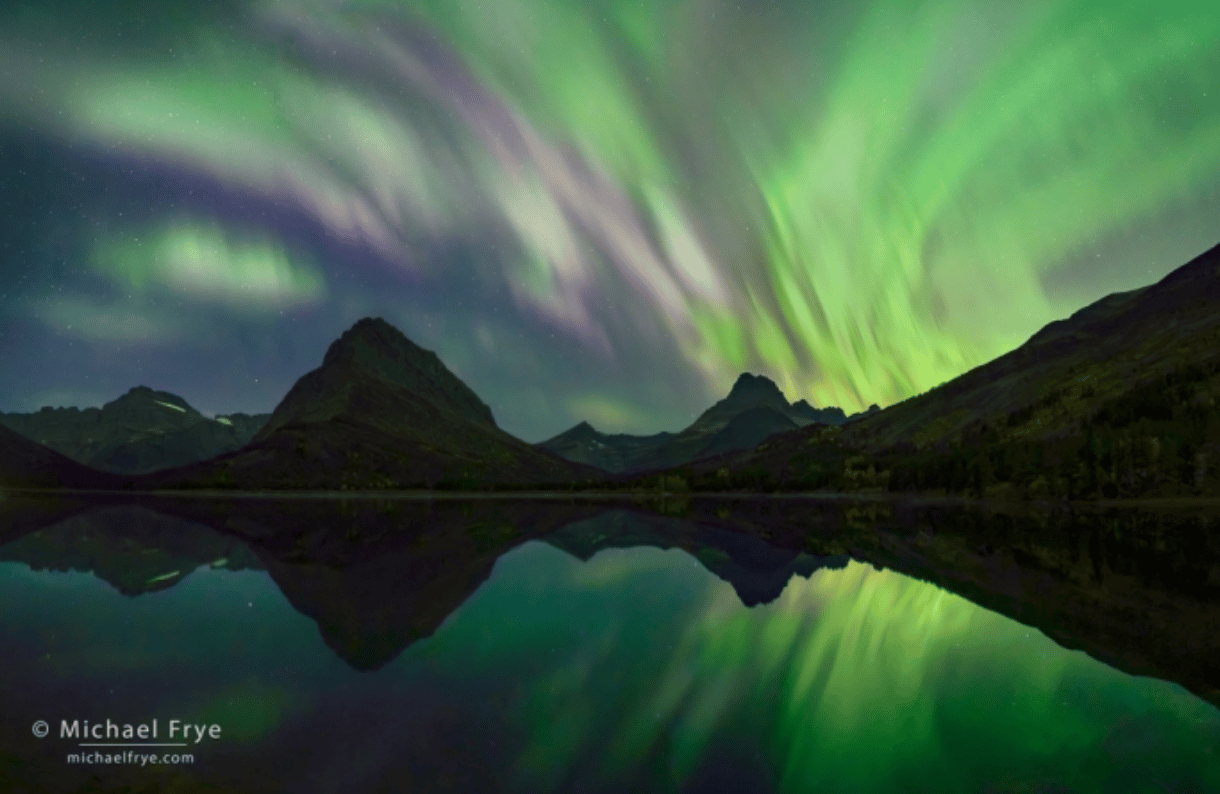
x=373, y=346
x=579, y=432
x=371, y=338
x=748, y=384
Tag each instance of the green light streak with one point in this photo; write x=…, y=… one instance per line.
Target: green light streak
x=861, y=201
x=205, y=263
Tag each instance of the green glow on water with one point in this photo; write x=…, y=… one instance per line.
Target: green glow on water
x=855, y=677
x=637, y=669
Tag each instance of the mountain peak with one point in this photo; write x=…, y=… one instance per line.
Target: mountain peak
x=371, y=338
x=373, y=346
x=803, y=413
x=146, y=396
x=748, y=384
x=576, y=433
x=147, y=391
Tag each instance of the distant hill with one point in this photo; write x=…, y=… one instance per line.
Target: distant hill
x=612, y=452
x=381, y=412
x=1119, y=400
x=141, y=431
x=754, y=409
x=26, y=464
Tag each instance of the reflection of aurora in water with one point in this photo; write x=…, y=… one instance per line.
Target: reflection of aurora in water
x=637, y=670
x=640, y=664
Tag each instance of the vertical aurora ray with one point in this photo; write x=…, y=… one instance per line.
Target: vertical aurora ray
x=860, y=200
x=639, y=665
x=958, y=154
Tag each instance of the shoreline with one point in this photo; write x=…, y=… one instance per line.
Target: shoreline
x=420, y=494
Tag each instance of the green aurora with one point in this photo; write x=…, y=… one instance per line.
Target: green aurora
x=860, y=200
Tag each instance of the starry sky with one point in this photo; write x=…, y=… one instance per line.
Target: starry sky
x=602, y=210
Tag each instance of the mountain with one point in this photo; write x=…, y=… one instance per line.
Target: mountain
x=141, y=431
x=748, y=429
x=26, y=464
x=611, y=452
x=754, y=409
x=872, y=409
x=374, y=349
x=1071, y=367
x=381, y=412
x=1117, y=401
x=833, y=415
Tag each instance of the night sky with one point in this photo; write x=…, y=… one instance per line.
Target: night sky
x=590, y=210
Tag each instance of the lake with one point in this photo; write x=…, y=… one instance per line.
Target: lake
x=555, y=645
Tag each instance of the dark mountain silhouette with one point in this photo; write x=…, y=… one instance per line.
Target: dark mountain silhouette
x=1100, y=353
x=748, y=429
x=872, y=409
x=379, y=413
x=828, y=416
x=754, y=409
x=613, y=452
x=26, y=464
x=141, y=431
x=1119, y=400
x=372, y=349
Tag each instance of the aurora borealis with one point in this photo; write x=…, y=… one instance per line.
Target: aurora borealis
x=589, y=210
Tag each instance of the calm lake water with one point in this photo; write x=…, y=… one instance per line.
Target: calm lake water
x=552, y=647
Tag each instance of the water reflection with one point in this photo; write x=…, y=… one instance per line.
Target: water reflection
x=372, y=645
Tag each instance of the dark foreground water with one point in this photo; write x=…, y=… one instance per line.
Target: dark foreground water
x=352, y=647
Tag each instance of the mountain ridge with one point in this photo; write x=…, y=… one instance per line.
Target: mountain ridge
x=142, y=430
x=754, y=409
x=1117, y=401
x=1144, y=326
x=380, y=413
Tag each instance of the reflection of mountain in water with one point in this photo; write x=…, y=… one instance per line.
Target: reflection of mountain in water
x=375, y=575
x=758, y=571
x=1137, y=590
x=134, y=549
